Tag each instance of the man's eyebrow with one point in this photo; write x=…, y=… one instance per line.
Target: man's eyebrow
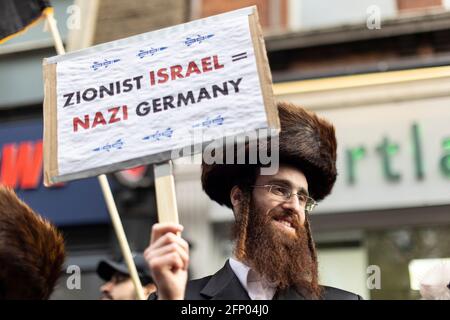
x=281, y=182
x=287, y=183
x=304, y=191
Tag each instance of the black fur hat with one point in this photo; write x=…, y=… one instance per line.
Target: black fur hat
x=306, y=141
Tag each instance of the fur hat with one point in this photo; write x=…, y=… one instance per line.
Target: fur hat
x=306, y=142
x=31, y=251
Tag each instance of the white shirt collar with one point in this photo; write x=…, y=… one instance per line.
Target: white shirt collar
x=256, y=286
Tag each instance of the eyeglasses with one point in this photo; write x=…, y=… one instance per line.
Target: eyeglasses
x=284, y=194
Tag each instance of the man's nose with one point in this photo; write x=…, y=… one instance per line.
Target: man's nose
x=293, y=205
x=106, y=287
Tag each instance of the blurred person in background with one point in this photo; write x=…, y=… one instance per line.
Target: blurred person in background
x=32, y=251
x=435, y=284
x=118, y=285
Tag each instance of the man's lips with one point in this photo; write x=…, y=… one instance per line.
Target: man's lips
x=285, y=220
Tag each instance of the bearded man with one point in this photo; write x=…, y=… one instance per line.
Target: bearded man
x=274, y=254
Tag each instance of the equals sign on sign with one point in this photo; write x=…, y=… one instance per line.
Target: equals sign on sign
x=239, y=56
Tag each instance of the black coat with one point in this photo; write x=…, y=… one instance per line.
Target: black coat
x=225, y=285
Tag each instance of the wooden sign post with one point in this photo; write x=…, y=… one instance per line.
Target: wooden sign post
x=165, y=192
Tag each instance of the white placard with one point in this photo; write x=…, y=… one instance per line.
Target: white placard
x=132, y=102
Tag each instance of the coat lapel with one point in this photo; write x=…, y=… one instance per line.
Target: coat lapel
x=224, y=285
x=288, y=294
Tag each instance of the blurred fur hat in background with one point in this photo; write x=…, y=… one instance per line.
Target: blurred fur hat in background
x=32, y=250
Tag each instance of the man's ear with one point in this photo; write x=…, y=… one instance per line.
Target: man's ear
x=149, y=289
x=236, y=196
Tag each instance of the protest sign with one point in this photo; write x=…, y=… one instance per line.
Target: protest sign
x=135, y=100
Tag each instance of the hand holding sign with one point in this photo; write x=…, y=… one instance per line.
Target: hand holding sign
x=168, y=259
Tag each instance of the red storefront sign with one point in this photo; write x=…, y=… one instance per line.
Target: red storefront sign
x=21, y=164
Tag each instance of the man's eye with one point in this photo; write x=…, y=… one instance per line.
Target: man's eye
x=280, y=191
x=120, y=278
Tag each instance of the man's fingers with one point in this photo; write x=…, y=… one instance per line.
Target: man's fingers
x=167, y=261
x=168, y=249
x=169, y=238
x=167, y=244
x=159, y=229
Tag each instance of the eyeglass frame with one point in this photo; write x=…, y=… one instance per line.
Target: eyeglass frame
x=308, y=198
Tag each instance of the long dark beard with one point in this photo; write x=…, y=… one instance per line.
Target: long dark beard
x=287, y=260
